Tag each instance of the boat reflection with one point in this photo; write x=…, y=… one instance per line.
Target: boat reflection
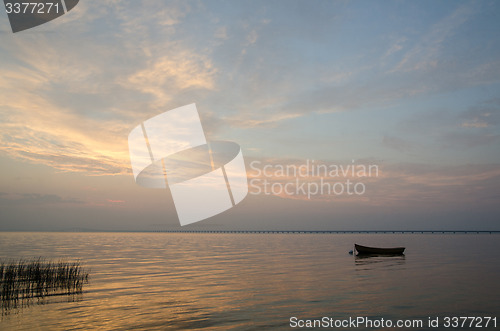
x=366, y=261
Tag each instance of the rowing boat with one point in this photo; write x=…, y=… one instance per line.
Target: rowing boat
x=378, y=250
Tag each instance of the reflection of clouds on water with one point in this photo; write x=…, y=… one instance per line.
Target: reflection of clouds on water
x=16, y=306
x=256, y=280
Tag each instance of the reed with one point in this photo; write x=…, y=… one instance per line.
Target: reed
x=26, y=279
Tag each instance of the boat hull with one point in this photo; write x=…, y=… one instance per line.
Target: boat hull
x=378, y=250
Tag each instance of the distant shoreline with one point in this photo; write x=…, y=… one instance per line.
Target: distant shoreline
x=280, y=231
x=335, y=232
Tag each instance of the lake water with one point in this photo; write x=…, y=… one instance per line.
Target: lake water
x=158, y=281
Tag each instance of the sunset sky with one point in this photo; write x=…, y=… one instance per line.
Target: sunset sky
x=412, y=87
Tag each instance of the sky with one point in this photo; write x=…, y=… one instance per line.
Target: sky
x=412, y=88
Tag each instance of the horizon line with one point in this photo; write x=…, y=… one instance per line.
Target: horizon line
x=274, y=231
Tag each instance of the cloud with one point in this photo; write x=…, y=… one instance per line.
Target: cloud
x=425, y=55
x=398, y=144
x=470, y=185
x=396, y=46
x=51, y=106
x=392, y=184
x=115, y=201
x=36, y=199
x=252, y=37
x=482, y=115
x=475, y=123
x=70, y=105
x=37, y=130
x=253, y=121
x=445, y=128
x=310, y=179
x=468, y=139
x=221, y=33
x=166, y=76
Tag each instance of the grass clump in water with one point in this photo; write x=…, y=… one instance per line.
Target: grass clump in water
x=26, y=279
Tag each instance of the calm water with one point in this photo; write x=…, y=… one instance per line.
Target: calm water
x=257, y=281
